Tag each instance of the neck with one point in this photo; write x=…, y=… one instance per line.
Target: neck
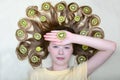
x=56, y=67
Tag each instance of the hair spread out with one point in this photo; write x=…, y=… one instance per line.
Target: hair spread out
x=39, y=21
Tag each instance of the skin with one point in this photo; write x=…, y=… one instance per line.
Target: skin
x=60, y=55
x=106, y=48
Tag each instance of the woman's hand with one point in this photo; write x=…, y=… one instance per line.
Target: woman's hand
x=53, y=37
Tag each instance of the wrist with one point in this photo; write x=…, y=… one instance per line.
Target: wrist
x=74, y=38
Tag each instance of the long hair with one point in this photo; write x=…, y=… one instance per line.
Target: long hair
x=71, y=17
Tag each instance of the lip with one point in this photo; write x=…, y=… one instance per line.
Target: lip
x=60, y=58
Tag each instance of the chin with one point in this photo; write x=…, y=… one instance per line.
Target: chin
x=61, y=62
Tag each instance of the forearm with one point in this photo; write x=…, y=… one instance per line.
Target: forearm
x=100, y=44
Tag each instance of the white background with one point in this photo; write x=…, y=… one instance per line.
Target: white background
x=13, y=10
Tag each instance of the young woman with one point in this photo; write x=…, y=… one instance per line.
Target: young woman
x=61, y=51
x=62, y=31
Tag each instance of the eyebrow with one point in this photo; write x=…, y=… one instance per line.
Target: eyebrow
x=67, y=45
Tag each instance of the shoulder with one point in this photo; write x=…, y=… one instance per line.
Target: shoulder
x=36, y=71
x=80, y=71
x=80, y=67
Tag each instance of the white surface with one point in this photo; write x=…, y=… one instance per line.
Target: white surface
x=12, y=10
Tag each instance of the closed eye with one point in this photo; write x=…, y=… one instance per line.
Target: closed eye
x=55, y=46
x=67, y=47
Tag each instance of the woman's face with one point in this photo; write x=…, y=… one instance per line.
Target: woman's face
x=60, y=54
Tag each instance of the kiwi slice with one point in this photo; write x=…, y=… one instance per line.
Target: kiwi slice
x=37, y=36
x=43, y=18
x=87, y=10
x=73, y=7
x=84, y=47
x=20, y=33
x=46, y=6
x=23, y=23
x=31, y=12
x=94, y=21
x=61, y=35
x=60, y=7
x=81, y=59
x=77, y=18
x=38, y=48
x=23, y=49
x=98, y=35
x=61, y=19
x=35, y=59
x=83, y=32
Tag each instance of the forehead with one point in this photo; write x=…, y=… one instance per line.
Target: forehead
x=52, y=43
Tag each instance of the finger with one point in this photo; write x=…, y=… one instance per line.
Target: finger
x=52, y=39
x=46, y=36
x=51, y=34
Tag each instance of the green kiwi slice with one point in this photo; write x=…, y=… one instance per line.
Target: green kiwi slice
x=87, y=10
x=23, y=49
x=61, y=35
x=31, y=12
x=83, y=32
x=43, y=18
x=35, y=59
x=84, y=47
x=77, y=18
x=37, y=36
x=94, y=21
x=46, y=6
x=38, y=48
x=20, y=34
x=81, y=59
x=61, y=19
x=98, y=35
x=73, y=7
x=60, y=7
x=23, y=23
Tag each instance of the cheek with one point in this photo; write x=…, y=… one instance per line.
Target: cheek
x=68, y=54
x=52, y=51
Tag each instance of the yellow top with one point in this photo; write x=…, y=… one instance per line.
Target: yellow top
x=78, y=72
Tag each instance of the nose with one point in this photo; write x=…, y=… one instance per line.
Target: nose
x=61, y=52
